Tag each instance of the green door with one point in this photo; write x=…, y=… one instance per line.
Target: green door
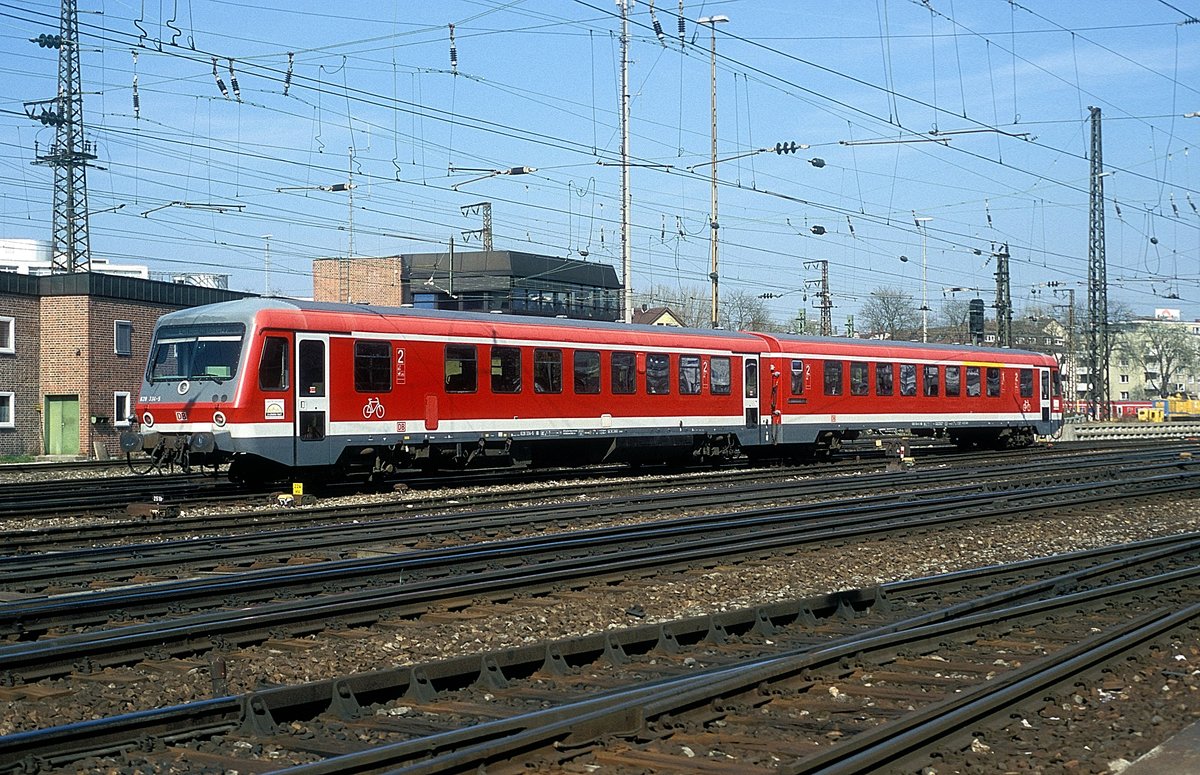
x=62, y=425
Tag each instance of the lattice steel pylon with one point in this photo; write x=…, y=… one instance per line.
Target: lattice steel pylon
x=1003, y=299
x=70, y=154
x=1098, y=344
x=826, y=305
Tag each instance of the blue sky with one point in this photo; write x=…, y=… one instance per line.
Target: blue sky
x=535, y=84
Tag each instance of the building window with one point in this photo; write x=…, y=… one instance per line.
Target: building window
x=121, y=409
x=721, y=381
x=123, y=337
x=624, y=373
x=372, y=367
x=658, y=374
x=8, y=343
x=1124, y=395
x=506, y=370
x=1124, y=378
x=689, y=374
x=587, y=372
x=989, y=337
x=7, y=420
x=461, y=368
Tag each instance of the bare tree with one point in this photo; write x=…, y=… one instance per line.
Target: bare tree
x=1166, y=351
x=744, y=311
x=890, y=312
x=689, y=305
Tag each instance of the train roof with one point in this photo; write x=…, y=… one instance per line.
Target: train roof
x=247, y=311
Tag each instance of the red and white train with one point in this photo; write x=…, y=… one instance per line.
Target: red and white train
x=279, y=387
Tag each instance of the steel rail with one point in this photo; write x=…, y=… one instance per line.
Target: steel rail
x=199, y=632
x=61, y=745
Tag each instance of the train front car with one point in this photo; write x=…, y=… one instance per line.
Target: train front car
x=191, y=385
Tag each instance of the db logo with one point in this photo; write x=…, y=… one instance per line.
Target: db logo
x=181, y=417
x=401, y=426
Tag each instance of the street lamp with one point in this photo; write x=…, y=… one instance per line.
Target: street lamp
x=488, y=173
x=712, y=22
x=921, y=224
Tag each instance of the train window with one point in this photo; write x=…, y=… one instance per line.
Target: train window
x=833, y=378
x=797, y=376
x=929, y=378
x=547, y=370
x=751, y=388
x=993, y=382
x=953, y=380
x=721, y=378
x=973, y=382
x=658, y=374
x=859, y=386
x=1026, y=383
x=273, y=364
x=206, y=351
x=885, y=377
x=506, y=369
x=1045, y=387
x=624, y=373
x=462, y=368
x=587, y=372
x=689, y=374
x=908, y=379
x=1057, y=383
x=372, y=367
x=310, y=368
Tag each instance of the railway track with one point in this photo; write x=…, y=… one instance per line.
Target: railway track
x=954, y=666
x=329, y=531
x=61, y=634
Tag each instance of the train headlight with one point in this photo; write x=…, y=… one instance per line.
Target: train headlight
x=219, y=419
x=147, y=419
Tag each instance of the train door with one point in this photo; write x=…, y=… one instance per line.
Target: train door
x=750, y=391
x=312, y=400
x=1044, y=375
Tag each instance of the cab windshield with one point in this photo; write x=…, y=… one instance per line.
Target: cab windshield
x=199, y=352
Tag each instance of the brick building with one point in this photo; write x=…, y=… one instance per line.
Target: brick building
x=72, y=351
x=481, y=281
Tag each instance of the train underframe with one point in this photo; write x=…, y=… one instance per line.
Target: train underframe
x=383, y=461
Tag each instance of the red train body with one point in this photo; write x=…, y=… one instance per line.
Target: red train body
x=281, y=387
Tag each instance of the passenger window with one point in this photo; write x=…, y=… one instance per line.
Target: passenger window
x=1026, y=383
x=462, y=369
x=797, y=377
x=973, y=382
x=689, y=374
x=506, y=370
x=908, y=379
x=859, y=385
x=833, y=378
x=547, y=370
x=930, y=379
x=587, y=372
x=658, y=374
x=372, y=367
x=1057, y=379
x=751, y=389
x=953, y=380
x=624, y=373
x=993, y=382
x=721, y=378
x=273, y=365
x=885, y=378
